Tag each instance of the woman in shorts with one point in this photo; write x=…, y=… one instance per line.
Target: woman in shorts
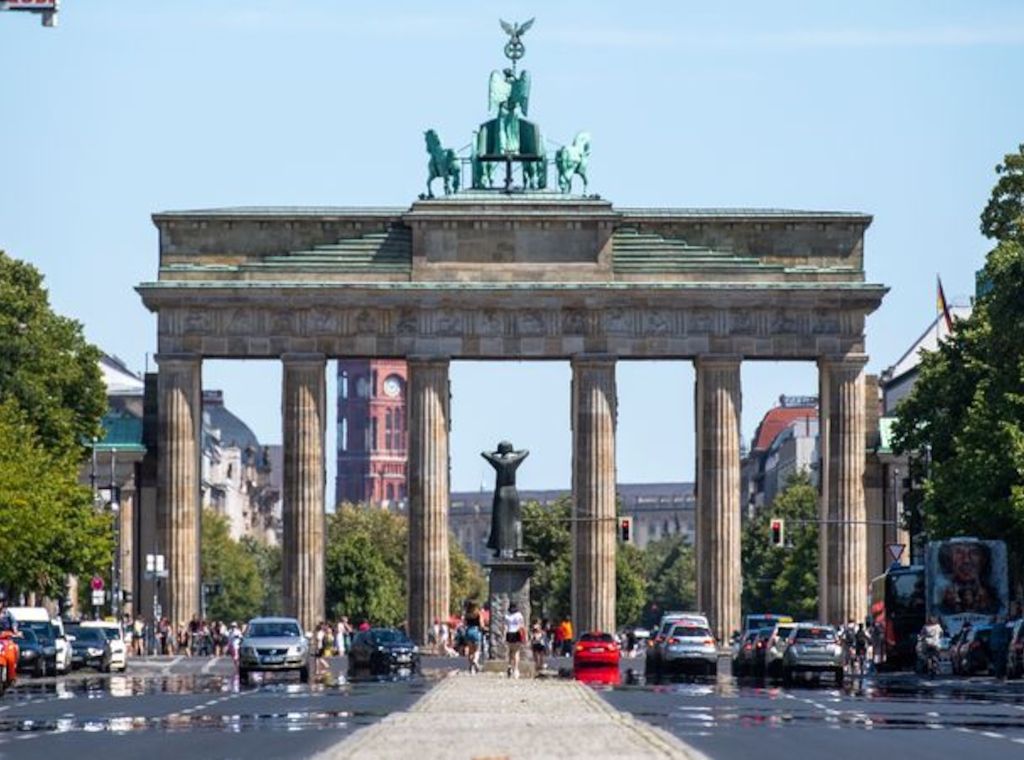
x=474, y=635
x=538, y=647
x=515, y=633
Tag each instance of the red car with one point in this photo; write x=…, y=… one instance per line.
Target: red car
x=596, y=648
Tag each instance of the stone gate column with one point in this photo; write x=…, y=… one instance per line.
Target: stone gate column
x=594, y=412
x=719, y=579
x=428, y=425
x=179, y=423
x=304, y=414
x=842, y=579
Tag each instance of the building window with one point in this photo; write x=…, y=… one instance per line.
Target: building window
x=388, y=430
x=373, y=385
x=343, y=434
x=391, y=492
x=373, y=434
x=343, y=384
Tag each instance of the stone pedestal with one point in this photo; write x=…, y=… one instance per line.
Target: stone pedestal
x=428, y=495
x=719, y=577
x=843, y=578
x=594, y=410
x=509, y=582
x=179, y=423
x=303, y=405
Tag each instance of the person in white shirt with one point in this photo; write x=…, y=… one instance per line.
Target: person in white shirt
x=515, y=630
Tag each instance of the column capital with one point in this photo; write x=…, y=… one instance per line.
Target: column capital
x=165, y=359
x=596, y=359
x=843, y=361
x=717, y=360
x=304, y=358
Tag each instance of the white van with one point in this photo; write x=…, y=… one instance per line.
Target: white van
x=38, y=620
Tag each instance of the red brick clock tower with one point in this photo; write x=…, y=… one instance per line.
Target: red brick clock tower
x=371, y=432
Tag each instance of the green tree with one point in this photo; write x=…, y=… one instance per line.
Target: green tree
x=671, y=574
x=547, y=537
x=227, y=562
x=965, y=415
x=46, y=365
x=630, y=584
x=268, y=565
x=783, y=580
x=366, y=566
x=48, y=525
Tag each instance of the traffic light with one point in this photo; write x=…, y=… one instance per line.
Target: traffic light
x=625, y=529
x=778, y=529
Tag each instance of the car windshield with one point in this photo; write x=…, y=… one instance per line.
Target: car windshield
x=783, y=631
x=815, y=634
x=390, y=636
x=607, y=637
x=274, y=630
x=108, y=632
x=28, y=636
x=88, y=634
x=692, y=631
x=44, y=631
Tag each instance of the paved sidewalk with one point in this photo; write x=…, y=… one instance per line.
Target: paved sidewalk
x=490, y=716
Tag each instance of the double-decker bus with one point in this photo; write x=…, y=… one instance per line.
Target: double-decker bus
x=898, y=605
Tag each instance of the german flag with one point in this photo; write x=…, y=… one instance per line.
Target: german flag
x=942, y=305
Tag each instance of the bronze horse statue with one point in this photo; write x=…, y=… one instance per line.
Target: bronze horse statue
x=443, y=164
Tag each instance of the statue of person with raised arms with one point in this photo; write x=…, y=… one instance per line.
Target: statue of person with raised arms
x=506, y=538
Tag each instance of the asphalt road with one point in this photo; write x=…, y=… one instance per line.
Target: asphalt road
x=195, y=708
x=898, y=716
x=191, y=709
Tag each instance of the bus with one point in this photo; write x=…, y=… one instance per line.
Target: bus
x=898, y=606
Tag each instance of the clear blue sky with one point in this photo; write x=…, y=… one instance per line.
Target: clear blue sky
x=900, y=110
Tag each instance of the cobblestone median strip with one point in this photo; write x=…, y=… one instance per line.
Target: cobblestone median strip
x=489, y=716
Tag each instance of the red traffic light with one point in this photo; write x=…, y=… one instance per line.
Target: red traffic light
x=777, y=528
x=625, y=528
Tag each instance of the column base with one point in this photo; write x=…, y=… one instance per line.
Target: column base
x=510, y=582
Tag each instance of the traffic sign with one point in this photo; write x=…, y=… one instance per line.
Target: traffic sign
x=96, y=584
x=896, y=551
x=98, y=598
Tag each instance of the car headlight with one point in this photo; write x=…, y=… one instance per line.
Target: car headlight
x=296, y=650
x=415, y=649
x=249, y=651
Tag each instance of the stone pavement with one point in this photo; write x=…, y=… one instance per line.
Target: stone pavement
x=490, y=716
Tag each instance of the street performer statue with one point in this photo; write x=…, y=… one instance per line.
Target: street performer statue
x=506, y=515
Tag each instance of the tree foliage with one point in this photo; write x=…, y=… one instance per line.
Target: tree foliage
x=268, y=565
x=366, y=567
x=48, y=525
x=965, y=415
x=46, y=365
x=227, y=562
x=783, y=579
x=671, y=573
x=640, y=575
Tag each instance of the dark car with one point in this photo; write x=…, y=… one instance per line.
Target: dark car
x=746, y=659
x=381, y=650
x=46, y=636
x=89, y=648
x=36, y=656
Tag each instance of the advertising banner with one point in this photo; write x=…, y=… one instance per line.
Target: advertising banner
x=966, y=581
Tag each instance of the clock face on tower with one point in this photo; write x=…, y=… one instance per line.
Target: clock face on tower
x=392, y=386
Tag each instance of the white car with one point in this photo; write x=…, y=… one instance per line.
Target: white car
x=115, y=635
x=63, y=647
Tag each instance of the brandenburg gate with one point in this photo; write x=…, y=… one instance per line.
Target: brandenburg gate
x=522, y=273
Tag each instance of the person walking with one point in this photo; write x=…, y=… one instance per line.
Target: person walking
x=474, y=635
x=538, y=647
x=514, y=634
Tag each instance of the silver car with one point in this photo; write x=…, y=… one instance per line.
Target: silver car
x=689, y=646
x=812, y=648
x=273, y=644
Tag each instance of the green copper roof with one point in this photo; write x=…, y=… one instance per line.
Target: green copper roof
x=121, y=431
x=637, y=252
x=389, y=251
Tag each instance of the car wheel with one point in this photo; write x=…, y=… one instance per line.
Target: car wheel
x=243, y=676
x=838, y=673
x=304, y=675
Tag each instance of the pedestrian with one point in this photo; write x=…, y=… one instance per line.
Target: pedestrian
x=860, y=643
x=998, y=645
x=474, y=635
x=567, y=636
x=515, y=632
x=538, y=647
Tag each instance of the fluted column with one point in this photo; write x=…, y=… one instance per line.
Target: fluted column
x=179, y=423
x=428, y=494
x=719, y=580
x=303, y=403
x=842, y=579
x=594, y=412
